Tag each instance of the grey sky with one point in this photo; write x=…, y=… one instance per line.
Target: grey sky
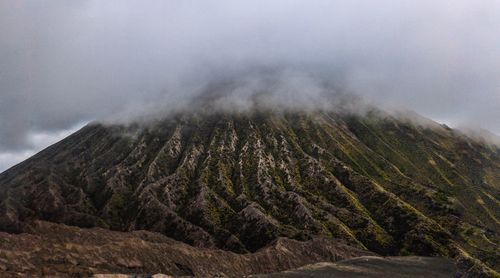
x=63, y=63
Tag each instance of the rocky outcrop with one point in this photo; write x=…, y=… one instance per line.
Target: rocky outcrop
x=50, y=249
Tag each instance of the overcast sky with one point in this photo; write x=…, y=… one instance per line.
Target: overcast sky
x=64, y=63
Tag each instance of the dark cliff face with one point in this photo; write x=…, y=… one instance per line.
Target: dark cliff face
x=239, y=181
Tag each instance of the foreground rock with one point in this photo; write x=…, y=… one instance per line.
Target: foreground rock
x=55, y=249
x=363, y=267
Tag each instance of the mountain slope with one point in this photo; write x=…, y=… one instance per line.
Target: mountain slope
x=239, y=181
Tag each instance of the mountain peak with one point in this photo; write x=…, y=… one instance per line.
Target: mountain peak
x=238, y=181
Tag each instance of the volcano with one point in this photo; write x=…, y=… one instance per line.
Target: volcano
x=239, y=182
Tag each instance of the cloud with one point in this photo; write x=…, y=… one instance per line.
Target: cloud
x=66, y=62
x=36, y=141
x=8, y=159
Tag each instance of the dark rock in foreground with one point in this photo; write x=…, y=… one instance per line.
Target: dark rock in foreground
x=375, y=267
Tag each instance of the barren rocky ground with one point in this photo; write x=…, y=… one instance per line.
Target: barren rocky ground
x=56, y=249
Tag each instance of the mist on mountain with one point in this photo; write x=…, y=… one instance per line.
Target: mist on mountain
x=64, y=63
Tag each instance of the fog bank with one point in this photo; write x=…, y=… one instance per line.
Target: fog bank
x=67, y=62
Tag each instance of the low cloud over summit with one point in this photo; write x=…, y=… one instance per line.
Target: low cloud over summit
x=65, y=63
